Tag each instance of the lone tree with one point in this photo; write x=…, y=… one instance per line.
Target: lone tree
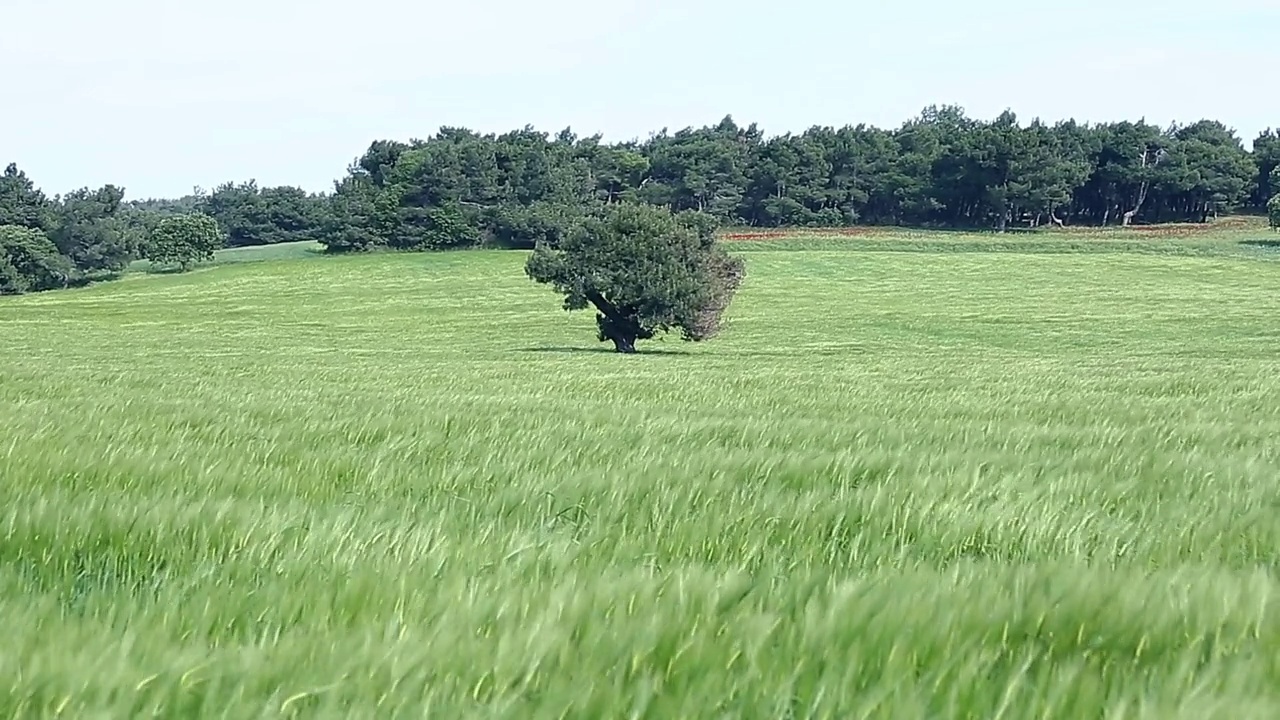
x=644, y=270
x=1273, y=212
x=184, y=239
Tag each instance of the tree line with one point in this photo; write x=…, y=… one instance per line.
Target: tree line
x=523, y=188
x=942, y=169
x=86, y=235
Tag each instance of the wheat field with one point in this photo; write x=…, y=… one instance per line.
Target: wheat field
x=902, y=484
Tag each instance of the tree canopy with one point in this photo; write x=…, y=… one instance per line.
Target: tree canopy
x=89, y=229
x=644, y=270
x=184, y=239
x=940, y=169
x=22, y=204
x=29, y=261
x=250, y=215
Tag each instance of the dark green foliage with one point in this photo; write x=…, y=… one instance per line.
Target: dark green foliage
x=360, y=217
x=645, y=270
x=90, y=229
x=29, y=261
x=164, y=207
x=443, y=227
x=21, y=203
x=941, y=169
x=86, y=226
x=462, y=189
x=524, y=227
x=1266, y=158
x=1273, y=212
x=182, y=240
x=264, y=216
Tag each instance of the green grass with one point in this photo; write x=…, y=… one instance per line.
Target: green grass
x=901, y=485
x=253, y=253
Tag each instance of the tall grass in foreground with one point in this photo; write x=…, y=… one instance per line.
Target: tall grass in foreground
x=902, y=485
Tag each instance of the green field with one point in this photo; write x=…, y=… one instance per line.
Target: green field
x=942, y=483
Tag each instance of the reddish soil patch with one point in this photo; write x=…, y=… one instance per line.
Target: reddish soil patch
x=1169, y=230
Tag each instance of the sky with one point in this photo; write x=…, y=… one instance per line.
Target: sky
x=162, y=96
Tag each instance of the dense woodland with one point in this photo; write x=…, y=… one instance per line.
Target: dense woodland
x=461, y=188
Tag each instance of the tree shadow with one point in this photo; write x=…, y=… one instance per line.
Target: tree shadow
x=167, y=270
x=602, y=351
x=791, y=353
x=1264, y=244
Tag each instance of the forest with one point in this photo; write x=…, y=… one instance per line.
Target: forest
x=460, y=188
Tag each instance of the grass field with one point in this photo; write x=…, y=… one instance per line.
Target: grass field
x=902, y=484
x=261, y=253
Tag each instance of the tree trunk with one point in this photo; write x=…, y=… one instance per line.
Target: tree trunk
x=621, y=334
x=1142, y=197
x=615, y=325
x=1142, y=191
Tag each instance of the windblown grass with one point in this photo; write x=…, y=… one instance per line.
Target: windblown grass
x=906, y=485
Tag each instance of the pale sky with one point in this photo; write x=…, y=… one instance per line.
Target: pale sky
x=160, y=96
